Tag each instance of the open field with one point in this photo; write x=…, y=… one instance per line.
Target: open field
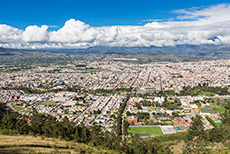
x=47, y=103
x=219, y=109
x=17, y=108
x=30, y=144
x=207, y=110
x=28, y=111
x=151, y=88
x=207, y=93
x=212, y=109
x=154, y=108
x=146, y=130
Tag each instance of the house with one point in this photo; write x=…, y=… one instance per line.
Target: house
x=194, y=106
x=188, y=120
x=133, y=119
x=197, y=111
x=179, y=121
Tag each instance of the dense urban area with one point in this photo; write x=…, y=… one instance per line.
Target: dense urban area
x=124, y=97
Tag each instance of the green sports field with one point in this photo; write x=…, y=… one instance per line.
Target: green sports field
x=145, y=130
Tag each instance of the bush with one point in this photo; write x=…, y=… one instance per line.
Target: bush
x=8, y=132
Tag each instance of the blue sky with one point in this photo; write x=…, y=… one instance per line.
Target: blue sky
x=22, y=13
x=39, y=24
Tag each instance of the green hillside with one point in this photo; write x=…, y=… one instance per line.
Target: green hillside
x=32, y=144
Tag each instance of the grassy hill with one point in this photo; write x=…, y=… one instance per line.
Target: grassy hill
x=32, y=144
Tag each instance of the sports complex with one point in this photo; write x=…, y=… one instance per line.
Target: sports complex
x=151, y=130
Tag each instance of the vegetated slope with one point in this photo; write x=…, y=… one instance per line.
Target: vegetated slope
x=32, y=144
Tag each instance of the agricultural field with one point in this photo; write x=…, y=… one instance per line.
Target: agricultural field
x=145, y=130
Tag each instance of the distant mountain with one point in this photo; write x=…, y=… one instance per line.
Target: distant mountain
x=214, y=51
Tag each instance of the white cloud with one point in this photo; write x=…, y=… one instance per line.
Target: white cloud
x=192, y=26
x=35, y=34
x=73, y=32
x=9, y=34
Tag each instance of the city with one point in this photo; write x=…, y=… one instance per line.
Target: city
x=93, y=92
x=115, y=77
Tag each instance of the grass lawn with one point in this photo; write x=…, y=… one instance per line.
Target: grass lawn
x=219, y=109
x=151, y=88
x=218, y=124
x=145, y=130
x=28, y=111
x=167, y=122
x=187, y=111
x=171, y=101
x=47, y=103
x=207, y=93
x=207, y=110
x=17, y=108
x=154, y=108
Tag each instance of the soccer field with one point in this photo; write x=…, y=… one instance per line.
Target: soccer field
x=145, y=130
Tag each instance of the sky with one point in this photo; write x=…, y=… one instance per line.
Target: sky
x=36, y=24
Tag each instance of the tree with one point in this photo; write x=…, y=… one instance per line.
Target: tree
x=125, y=127
x=96, y=134
x=138, y=105
x=37, y=122
x=216, y=135
x=84, y=134
x=137, y=145
x=22, y=126
x=49, y=126
x=2, y=110
x=196, y=139
x=77, y=134
x=211, y=121
x=67, y=129
x=9, y=121
x=226, y=123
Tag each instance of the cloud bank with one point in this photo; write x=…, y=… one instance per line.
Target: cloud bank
x=194, y=26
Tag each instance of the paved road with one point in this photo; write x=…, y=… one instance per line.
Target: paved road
x=148, y=79
x=193, y=114
x=121, y=81
x=135, y=79
x=124, y=116
x=103, y=108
